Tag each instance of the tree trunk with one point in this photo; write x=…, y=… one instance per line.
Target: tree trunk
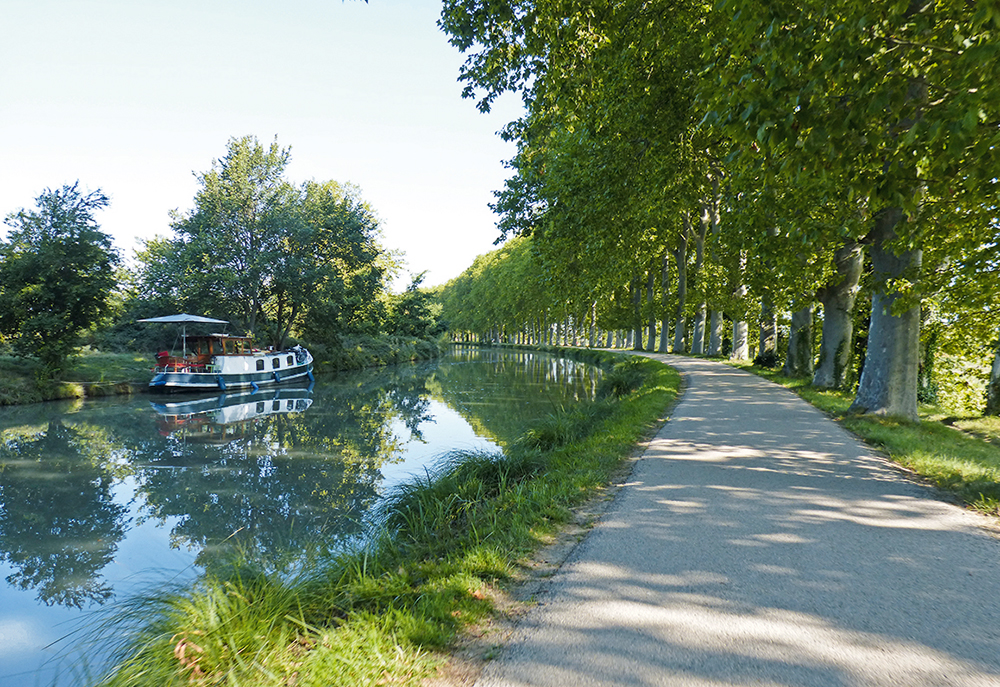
x=701, y=310
x=651, y=304
x=741, y=330
x=767, y=351
x=838, y=299
x=594, y=334
x=716, y=320
x=715, y=324
x=680, y=258
x=664, y=304
x=888, y=383
x=636, y=293
x=741, y=341
x=993, y=389
x=799, y=361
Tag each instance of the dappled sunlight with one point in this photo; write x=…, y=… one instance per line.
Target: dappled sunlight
x=757, y=543
x=794, y=644
x=655, y=629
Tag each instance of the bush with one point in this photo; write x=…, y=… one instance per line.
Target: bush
x=622, y=379
x=768, y=359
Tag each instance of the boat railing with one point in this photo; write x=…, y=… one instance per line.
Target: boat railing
x=183, y=366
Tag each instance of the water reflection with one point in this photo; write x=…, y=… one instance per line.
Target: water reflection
x=222, y=418
x=96, y=495
x=59, y=525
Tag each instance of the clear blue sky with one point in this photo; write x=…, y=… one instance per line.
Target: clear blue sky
x=133, y=96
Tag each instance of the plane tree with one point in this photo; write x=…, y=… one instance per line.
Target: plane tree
x=895, y=102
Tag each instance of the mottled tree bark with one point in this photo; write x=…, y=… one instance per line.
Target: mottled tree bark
x=741, y=341
x=701, y=310
x=594, y=334
x=715, y=325
x=651, y=304
x=716, y=320
x=741, y=330
x=680, y=258
x=664, y=301
x=838, y=299
x=635, y=291
x=799, y=361
x=888, y=384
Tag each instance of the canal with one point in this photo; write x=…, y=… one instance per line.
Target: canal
x=103, y=499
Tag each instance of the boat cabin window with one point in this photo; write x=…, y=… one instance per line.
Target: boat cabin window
x=260, y=364
x=275, y=362
x=290, y=360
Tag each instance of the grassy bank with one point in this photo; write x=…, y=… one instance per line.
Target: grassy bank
x=958, y=454
x=90, y=374
x=387, y=613
x=103, y=374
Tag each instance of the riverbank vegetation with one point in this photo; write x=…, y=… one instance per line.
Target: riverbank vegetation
x=719, y=178
x=385, y=611
x=98, y=373
x=285, y=263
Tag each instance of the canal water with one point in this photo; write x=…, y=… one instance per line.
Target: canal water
x=103, y=499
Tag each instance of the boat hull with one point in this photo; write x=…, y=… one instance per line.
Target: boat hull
x=179, y=381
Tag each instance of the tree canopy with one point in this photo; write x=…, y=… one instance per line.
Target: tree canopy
x=57, y=269
x=272, y=257
x=759, y=149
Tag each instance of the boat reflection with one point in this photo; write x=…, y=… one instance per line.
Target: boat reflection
x=220, y=419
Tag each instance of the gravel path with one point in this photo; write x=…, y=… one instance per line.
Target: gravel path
x=758, y=543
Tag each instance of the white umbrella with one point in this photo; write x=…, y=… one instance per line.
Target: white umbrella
x=183, y=319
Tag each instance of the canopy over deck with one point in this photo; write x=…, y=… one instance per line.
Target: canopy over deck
x=183, y=319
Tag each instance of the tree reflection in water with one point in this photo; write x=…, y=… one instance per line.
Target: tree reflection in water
x=59, y=525
x=270, y=485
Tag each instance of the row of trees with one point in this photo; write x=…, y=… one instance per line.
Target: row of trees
x=727, y=163
x=275, y=259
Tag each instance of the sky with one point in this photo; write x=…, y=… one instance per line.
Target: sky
x=134, y=97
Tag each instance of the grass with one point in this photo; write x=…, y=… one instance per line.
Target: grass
x=385, y=614
x=110, y=367
x=89, y=374
x=959, y=455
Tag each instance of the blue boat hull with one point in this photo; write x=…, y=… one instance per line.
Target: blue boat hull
x=179, y=381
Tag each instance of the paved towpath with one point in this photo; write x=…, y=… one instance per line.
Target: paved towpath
x=758, y=543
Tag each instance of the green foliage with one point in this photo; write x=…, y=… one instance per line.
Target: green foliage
x=375, y=614
x=56, y=272
x=277, y=260
x=749, y=140
x=411, y=313
x=356, y=352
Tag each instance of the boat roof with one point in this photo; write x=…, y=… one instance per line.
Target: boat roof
x=183, y=318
